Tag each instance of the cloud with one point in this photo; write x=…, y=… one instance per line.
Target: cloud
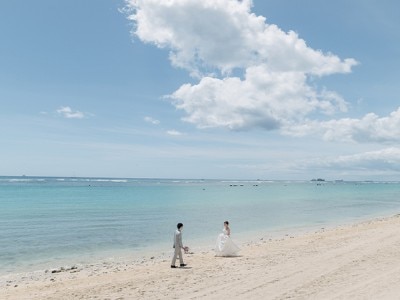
x=213, y=39
x=67, y=112
x=224, y=34
x=380, y=161
x=152, y=121
x=263, y=99
x=370, y=128
x=174, y=133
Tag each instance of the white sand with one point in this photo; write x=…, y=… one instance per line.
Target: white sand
x=361, y=261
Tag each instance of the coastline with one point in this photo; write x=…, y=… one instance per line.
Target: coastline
x=354, y=261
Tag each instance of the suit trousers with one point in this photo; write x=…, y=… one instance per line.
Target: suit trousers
x=177, y=252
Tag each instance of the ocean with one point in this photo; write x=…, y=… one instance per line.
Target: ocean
x=50, y=221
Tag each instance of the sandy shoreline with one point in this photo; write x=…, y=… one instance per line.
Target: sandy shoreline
x=359, y=261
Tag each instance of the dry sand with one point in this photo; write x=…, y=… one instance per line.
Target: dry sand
x=360, y=261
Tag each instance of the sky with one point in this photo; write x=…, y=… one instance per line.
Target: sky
x=211, y=89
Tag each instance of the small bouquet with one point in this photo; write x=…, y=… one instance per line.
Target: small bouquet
x=186, y=249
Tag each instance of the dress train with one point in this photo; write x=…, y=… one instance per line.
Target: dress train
x=225, y=246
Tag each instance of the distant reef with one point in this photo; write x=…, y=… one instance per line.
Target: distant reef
x=318, y=179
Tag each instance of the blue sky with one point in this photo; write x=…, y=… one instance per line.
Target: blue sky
x=200, y=89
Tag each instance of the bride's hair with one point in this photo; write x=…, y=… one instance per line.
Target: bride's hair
x=226, y=222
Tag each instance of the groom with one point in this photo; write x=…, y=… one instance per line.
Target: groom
x=178, y=246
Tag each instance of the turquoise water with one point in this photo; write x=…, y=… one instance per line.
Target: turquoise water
x=44, y=220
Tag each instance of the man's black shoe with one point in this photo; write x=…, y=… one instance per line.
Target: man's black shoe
x=173, y=267
x=182, y=265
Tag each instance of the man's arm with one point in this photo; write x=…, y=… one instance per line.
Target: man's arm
x=180, y=240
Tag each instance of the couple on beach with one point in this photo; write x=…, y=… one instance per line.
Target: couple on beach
x=224, y=246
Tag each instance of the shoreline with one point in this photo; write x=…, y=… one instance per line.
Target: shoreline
x=199, y=244
x=322, y=264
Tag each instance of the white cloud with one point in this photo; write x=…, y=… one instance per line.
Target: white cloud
x=68, y=113
x=224, y=34
x=213, y=39
x=380, y=161
x=152, y=121
x=174, y=133
x=263, y=99
x=370, y=128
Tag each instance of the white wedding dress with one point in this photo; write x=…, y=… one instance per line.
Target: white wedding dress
x=225, y=246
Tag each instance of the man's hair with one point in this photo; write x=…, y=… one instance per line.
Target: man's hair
x=179, y=225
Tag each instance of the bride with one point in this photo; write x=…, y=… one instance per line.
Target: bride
x=225, y=246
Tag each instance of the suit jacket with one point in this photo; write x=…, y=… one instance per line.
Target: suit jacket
x=178, y=239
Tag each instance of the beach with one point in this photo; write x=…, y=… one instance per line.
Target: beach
x=356, y=261
x=48, y=222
